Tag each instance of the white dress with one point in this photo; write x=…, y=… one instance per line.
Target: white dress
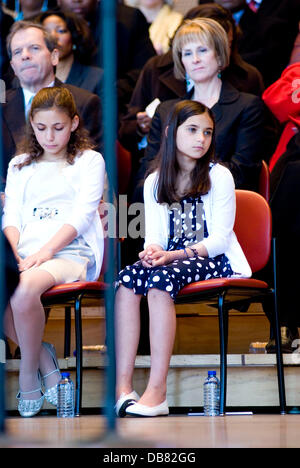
x=47, y=200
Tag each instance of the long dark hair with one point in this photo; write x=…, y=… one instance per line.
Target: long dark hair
x=166, y=160
x=49, y=98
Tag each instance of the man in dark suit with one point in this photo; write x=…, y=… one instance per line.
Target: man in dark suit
x=33, y=57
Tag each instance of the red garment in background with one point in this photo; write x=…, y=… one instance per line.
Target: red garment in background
x=283, y=99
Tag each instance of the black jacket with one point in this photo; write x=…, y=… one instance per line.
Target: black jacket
x=269, y=35
x=87, y=77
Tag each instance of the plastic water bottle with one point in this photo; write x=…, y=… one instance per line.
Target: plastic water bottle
x=65, y=396
x=211, y=395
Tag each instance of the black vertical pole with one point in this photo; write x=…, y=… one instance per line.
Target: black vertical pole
x=2, y=274
x=108, y=26
x=276, y=328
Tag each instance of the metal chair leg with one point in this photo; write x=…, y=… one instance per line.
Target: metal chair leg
x=223, y=332
x=78, y=339
x=279, y=360
x=276, y=328
x=67, y=344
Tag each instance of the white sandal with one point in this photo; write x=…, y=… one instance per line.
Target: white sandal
x=28, y=408
x=51, y=393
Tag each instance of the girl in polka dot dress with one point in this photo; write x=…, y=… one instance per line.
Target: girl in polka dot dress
x=189, y=217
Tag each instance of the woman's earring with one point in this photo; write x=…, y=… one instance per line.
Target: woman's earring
x=220, y=73
x=74, y=47
x=189, y=83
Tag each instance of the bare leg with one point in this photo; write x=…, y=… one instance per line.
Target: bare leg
x=29, y=322
x=46, y=364
x=9, y=326
x=127, y=324
x=162, y=335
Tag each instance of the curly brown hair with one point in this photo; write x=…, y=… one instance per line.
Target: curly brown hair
x=48, y=98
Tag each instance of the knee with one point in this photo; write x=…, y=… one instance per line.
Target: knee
x=157, y=294
x=25, y=295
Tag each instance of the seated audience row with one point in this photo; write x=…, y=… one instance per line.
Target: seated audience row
x=157, y=81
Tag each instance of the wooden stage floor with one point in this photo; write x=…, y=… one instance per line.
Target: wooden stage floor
x=89, y=431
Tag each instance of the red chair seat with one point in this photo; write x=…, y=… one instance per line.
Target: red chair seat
x=209, y=285
x=74, y=287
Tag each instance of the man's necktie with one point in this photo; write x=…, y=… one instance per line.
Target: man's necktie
x=28, y=106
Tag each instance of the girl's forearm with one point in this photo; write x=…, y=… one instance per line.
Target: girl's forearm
x=64, y=236
x=197, y=249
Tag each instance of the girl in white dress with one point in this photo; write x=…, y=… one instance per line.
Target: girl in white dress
x=51, y=221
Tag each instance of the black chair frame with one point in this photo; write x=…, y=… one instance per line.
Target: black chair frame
x=226, y=299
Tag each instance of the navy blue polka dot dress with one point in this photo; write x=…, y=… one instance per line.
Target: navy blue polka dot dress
x=187, y=227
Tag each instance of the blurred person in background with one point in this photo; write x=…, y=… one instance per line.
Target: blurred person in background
x=162, y=19
x=76, y=48
x=269, y=29
x=27, y=9
x=134, y=46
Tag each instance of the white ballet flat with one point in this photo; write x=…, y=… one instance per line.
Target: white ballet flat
x=124, y=401
x=139, y=410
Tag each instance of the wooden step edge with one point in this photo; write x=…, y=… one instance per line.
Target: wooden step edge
x=93, y=360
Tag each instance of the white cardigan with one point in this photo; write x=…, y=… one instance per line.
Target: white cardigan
x=219, y=207
x=86, y=176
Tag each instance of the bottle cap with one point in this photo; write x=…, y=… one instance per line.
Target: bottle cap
x=212, y=373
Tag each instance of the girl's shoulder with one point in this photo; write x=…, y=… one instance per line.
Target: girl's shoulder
x=89, y=155
x=18, y=159
x=151, y=177
x=219, y=173
x=218, y=168
x=150, y=183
